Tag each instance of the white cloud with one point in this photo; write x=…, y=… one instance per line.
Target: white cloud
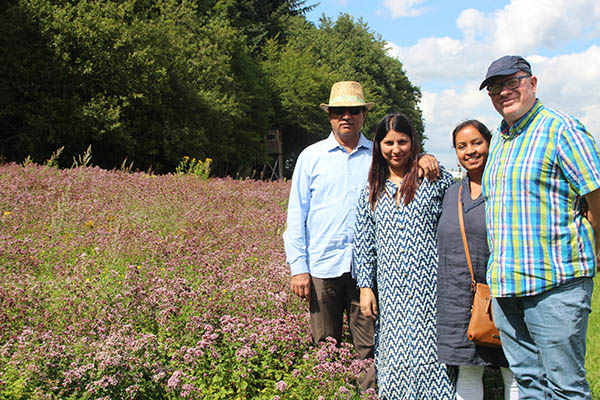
x=404, y=8
x=449, y=70
x=443, y=58
x=571, y=83
x=472, y=23
x=442, y=111
x=521, y=27
x=524, y=25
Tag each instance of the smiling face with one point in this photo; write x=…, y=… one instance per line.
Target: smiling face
x=395, y=149
x=512, y=104
x=471, y=149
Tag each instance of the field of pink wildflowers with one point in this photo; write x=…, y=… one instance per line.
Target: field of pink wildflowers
x=121, y=285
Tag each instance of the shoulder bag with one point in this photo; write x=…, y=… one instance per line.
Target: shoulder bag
x=482, y=330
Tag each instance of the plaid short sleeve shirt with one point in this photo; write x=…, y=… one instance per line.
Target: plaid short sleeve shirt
x=536, y=174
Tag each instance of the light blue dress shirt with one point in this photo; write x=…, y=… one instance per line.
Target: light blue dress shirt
x=326, y=184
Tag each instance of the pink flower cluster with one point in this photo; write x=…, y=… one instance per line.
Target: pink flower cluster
x=115, y=284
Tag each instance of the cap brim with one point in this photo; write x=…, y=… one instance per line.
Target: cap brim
x=504, y=72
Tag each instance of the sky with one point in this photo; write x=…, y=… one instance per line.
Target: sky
x=446, y=46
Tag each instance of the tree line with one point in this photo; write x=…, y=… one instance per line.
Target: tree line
x=151, y=81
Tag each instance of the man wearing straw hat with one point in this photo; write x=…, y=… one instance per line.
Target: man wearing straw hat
x=327, y=180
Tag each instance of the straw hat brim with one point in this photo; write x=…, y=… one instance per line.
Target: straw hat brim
x=325, y=107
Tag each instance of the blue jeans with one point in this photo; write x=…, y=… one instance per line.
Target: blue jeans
x=543, y=338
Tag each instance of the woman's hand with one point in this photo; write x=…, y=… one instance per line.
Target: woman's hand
x=368, y=303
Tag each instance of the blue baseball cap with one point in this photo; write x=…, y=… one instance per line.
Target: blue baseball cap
x=506, y=65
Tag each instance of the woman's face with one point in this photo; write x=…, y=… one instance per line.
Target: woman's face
x=395, y=149
x=471, y=149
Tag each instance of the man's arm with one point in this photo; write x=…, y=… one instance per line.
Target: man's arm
x=593, y=214
x=429, y=166
x=294, y=237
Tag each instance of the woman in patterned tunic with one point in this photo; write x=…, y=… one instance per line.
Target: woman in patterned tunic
x=471, y=140
x=395, y=259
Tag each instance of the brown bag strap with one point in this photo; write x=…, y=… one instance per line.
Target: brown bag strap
x=461, y=222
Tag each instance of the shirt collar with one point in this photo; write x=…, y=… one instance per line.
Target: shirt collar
x=522, y=124
x=363, y=142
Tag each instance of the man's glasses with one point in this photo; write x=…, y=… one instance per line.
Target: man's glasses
x=511, y=84
x=342, y=110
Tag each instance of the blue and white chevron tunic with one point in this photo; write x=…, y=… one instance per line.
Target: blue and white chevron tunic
x=395, y=254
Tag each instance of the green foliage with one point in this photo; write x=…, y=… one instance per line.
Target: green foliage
x=153, y=80
x=150, y=81
x=359, y=54
x=302, y=71
x=260, y=20
x=191, y=166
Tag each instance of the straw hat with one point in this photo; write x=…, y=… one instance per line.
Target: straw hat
x=346, y=94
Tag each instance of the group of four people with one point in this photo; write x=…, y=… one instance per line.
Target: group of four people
x=372, y=231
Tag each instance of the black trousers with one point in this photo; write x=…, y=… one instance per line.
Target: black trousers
x=329, y=299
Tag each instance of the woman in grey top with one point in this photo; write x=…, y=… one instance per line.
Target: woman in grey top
x=454, y=297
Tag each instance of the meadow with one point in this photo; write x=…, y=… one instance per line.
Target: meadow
x=117, y=285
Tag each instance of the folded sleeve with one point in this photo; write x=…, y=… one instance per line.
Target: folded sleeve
x=579, y=158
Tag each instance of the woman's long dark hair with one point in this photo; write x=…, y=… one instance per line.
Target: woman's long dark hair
x=380, y=171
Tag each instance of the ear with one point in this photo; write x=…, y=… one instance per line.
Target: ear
x=534, y=83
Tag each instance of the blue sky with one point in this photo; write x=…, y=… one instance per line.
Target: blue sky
x=446, y=47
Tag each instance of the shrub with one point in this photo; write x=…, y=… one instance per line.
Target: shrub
x=191, y=166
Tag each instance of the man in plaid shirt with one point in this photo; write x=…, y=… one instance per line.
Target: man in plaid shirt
x=541, y=185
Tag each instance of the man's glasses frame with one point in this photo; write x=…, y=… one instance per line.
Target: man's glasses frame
x=511, y=84
x=342, y=110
